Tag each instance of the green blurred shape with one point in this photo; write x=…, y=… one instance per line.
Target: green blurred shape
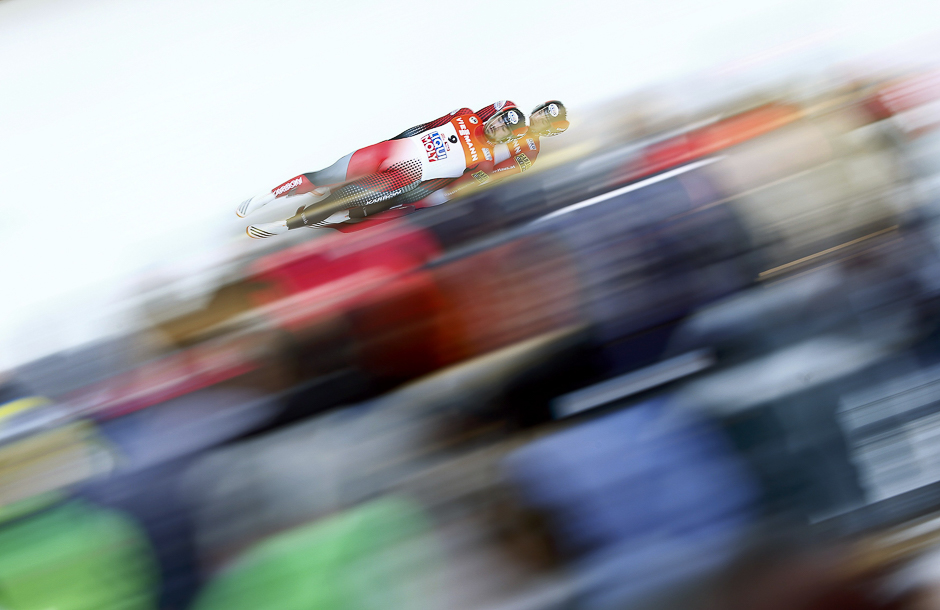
x=378, y=555
x=73, y=556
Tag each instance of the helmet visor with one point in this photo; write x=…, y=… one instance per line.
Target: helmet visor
x=502, y=127
x=540, y=121
x=546, y=120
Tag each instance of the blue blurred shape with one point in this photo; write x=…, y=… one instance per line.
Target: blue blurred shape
x=642, y=499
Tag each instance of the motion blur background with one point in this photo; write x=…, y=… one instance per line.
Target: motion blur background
x=690, y=359
x=130, y=130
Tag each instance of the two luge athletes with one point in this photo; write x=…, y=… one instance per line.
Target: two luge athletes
x=423, y=166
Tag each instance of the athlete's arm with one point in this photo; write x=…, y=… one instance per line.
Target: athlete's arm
x=478, y=177
x=463, y=185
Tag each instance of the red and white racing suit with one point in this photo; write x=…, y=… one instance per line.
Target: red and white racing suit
x=430, y=156
x=508, y=160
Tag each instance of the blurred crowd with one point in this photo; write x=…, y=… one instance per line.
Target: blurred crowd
x=687, y=362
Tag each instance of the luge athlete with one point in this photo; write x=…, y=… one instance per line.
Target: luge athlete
x=379, y=173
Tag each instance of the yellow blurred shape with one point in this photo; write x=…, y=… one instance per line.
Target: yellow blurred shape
x=50, y=460
x=23, y=404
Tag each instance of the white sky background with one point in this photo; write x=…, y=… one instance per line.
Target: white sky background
x=130, y=130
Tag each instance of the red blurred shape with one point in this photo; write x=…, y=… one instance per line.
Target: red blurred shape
x=300, y=309
x=398, y=327
x=387, y=250
x=164, y=379
x=711, y=139
x=908, y=99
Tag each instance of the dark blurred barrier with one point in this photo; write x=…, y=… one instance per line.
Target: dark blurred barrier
x=649, y=257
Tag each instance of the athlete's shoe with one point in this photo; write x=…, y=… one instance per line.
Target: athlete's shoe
x=267, y=229
x=255, y=203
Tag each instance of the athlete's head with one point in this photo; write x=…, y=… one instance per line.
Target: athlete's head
x=505, y=126
x=549, y=119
